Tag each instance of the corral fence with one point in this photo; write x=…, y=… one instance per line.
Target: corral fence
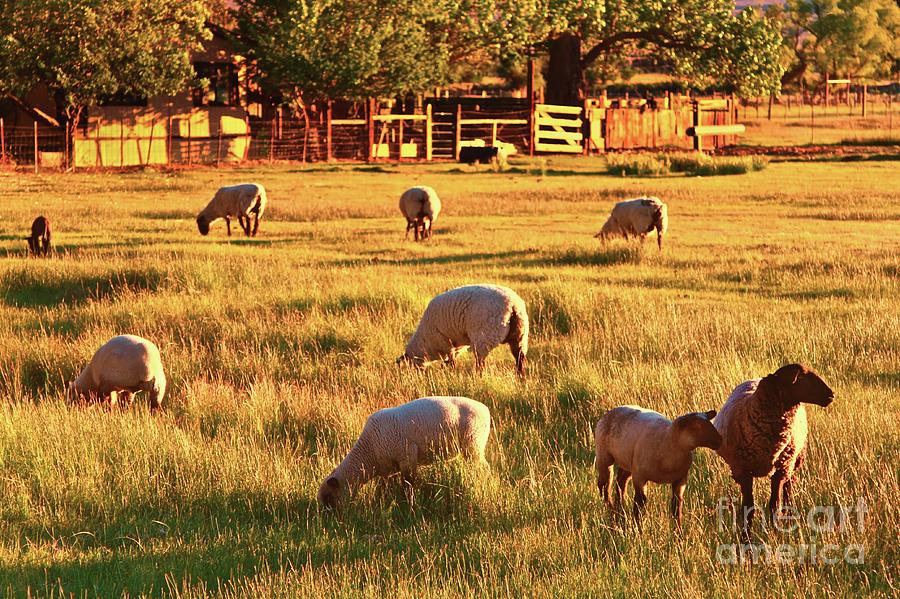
x=436, y=129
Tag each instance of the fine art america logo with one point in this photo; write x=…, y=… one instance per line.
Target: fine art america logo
x=817, y=522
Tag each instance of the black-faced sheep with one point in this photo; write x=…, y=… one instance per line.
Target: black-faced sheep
x=124, y=365
x=636, y=218
x=421, y=207
x=398, y=440
x=242, y=201
x=39, y=241
x=478, y=316
x=646, y=446
x=764, y=428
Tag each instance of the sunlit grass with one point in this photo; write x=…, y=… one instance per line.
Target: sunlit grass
x=278, y=348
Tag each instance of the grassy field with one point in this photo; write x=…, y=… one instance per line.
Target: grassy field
x=278, y=348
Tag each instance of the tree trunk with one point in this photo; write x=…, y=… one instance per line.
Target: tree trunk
x=565, y=77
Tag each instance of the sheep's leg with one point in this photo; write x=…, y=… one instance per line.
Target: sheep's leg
x=409, y=462
x=622, y=477
x=640, y=499
x=480, y=350
x=659, y=237
x=228, y=225
x=255, y=222
x=603, y=464
x=678, y=499
x=747, y=507
x=775, y=495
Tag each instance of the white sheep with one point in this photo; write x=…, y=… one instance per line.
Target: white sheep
x=478, y=316
x=421, y=207
x=636, y=218
x=398, y=440
x=239, y=201
x=123, y=365
x=646, y=446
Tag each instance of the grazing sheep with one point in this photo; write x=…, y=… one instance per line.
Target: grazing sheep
x=123, y=365
x=483, y=155
x=402, y=438
x=39, y=242
x=764, y=428
x=479, y=316
x=421, y=207
x=239, y=201
x=646, y=446
x=636, y=218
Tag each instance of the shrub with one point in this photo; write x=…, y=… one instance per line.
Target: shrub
x=640, y=165
x=696, y=164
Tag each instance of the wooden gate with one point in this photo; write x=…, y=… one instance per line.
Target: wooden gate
x=557, y=128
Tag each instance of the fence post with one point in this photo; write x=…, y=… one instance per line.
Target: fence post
x=458, y=137
x=272, y=141
x=169, y=144
x=66, y=144
x=400, y=140
x=771, y=102
x=698, y=143
x=530, y=106
x=219, y=143
x=36, y=157
x=190, y=145
x=370, y=130
x=328, y=142
x=428, y=132
x=2, y=141
x=865, y=98
x=121, y=143
x=98, y=156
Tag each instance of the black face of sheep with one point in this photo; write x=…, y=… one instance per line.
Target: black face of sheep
x=331, y=493
x=798, y=384
x=203, y=225
x=700, y=429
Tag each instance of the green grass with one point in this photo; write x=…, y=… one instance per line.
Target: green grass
x=278, y=348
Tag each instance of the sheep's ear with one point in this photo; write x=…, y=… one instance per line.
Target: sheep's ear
x=711, y=414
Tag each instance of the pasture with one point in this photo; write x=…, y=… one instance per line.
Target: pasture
x=277, y=349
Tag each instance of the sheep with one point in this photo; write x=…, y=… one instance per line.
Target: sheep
x=398, y=440
x=421, y=207
x=39, y=241
x=479, y=316
x=123, y=365
x=241, y=201
x=484, y=155
x=763, y=424
x=636, y=218
x=646, y=446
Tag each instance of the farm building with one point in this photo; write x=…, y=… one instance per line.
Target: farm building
x=198, y=125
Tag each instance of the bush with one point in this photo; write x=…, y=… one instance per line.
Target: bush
x=696, y=164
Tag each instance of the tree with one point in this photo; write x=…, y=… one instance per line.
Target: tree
x=86, y=50
x=315, y=49
x=859, y=39
x=704, y=40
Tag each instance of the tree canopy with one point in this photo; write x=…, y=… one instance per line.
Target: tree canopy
x=859, y=39
x=86, y=50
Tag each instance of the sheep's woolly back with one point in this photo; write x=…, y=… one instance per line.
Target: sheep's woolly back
x=124, y=363
x=637, y=217
x=756, y=431
x=235, y=200
x=482, y=316
x=414, y=434
x=418, y=202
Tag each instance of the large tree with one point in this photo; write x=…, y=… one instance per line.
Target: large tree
x=86, y=50
x=859, y=39
x=705, y=40
x=316, y=49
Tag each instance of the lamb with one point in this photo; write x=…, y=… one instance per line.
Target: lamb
x=421, y=207
x=123, y=365
x=764, y=428
x=398, y=440
x=646, y=446
x=636, y=218
x=479, y=316
x=39, y=241
x=241, y=201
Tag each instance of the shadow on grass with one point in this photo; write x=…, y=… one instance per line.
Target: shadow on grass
x=23, y=289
